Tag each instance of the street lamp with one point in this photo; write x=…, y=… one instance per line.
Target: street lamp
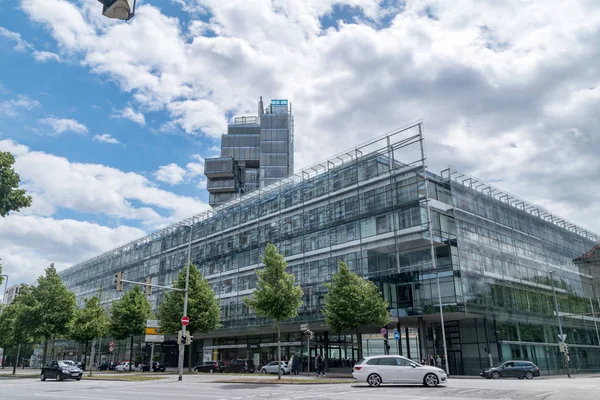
x=118, y=9
x=185, y=303
x=561, y=337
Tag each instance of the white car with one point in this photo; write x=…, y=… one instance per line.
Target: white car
x=271, y=368
x=124, y=366
x=378, y=370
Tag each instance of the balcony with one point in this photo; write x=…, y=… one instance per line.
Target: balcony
x=221, y=167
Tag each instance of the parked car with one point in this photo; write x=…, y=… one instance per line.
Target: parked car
x=241, y=366
x=378, y=370
x=156, y=367
x=125, y=366
x=511, y=369
x=210, y=366
x=108, y=366
x=271, y=368
x=60, y=370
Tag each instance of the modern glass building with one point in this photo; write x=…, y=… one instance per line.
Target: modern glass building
x=256, y=152
x=374, y=206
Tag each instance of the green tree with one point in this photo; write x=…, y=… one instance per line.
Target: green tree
x=11, y=197
x=17, y=324
x=55, y=307
x=352, y=303
x=129, y=315
x=276, y=297
x=89, y=323
x=203, y=308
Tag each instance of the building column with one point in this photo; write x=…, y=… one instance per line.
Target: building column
x=399, y=342
x=407, y=341
x=422, y=337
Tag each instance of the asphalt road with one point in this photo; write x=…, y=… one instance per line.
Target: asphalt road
x=195, y=387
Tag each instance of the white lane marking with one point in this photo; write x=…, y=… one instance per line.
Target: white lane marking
x=544, y=394
x=74, y=397
x=469, y=391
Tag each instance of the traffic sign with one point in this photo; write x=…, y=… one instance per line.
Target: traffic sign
x=383, y=331
x=111, y=346
x=396, y=335
x=185, y=320
x=155, y=338
x=154, y=331
x=152, y=323
x=304, y=327
x=562, y=337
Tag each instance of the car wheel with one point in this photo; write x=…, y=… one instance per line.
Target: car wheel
x=495, y=375
x=374, y=380
x=263, y=371
x=59, y=377
x=529, y=375
x=42, y=377
x=431, y=380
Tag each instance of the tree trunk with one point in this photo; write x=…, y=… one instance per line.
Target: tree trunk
x=4, y=356
x=131, y=354
x=359, y=343
x=17, y=359
x=278, y=351
x=86, y=353
x=189, y=355
x=53, y=347
x=45, y=352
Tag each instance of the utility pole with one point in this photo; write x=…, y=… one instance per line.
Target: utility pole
x=185, y=303
x=561, y=342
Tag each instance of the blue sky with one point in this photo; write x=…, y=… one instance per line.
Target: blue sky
x=110, y=121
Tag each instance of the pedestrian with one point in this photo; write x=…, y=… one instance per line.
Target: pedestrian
x=319, y=365
x=422, y=360
x=431, y=360
x=296, y=366
x=290, y=364
x=438, y=361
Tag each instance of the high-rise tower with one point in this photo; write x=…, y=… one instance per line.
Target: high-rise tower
x=255, y=152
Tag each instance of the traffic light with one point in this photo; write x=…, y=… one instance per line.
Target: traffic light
x=566, y=349
x=117, y=284
x=179, y=337
x=312, y=335
x=148, y=287
x=189, y=339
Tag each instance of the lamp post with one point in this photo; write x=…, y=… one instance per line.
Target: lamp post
x=561, y=337
x=185, y=303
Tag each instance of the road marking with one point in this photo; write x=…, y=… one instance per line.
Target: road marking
x=469, y=391
x=544, y=394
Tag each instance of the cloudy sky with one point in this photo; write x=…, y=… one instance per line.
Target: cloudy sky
x=110, y=121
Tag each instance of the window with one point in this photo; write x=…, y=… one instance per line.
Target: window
x=388, y=361
x=404, y=362
x=373, y=361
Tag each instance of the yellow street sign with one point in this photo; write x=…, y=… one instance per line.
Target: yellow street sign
x=154, y=331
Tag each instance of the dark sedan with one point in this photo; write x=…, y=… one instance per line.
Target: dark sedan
x=210, y=366
x=60, y=370
x=108, y=366
x=156, y=367
x=511, y=369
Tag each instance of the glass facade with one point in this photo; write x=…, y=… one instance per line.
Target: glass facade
x=368, y=207
x=262, y=149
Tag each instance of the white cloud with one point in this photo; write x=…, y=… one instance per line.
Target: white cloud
x=171, y=174
x=13, y=107
x=22, y=45
x=106, y=138
x=34, y=237
x=500, y=85
x=64, y=125
x=132, y=115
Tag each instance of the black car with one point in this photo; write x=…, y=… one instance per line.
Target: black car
x=511, y=369
x=210, y=366
x=156, y=367
x=108, y=366
x=81, y=366
x=60, y=370
x=241, y=366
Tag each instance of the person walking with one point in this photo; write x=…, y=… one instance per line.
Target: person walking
x=438, y=362
x=290, y=363
x=296, y=366
x=319, y=365
x=422, y=360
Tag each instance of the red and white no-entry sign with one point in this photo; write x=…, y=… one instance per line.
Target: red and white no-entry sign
x=185, y=320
